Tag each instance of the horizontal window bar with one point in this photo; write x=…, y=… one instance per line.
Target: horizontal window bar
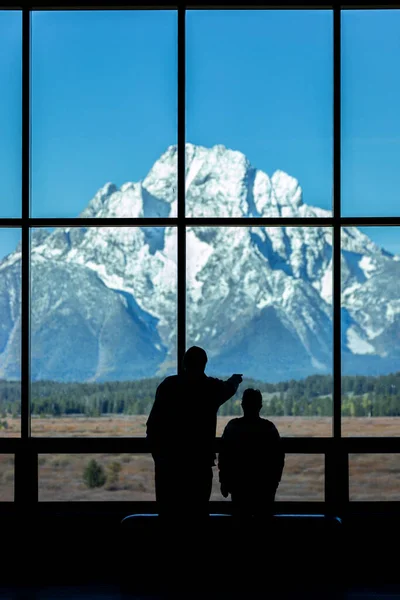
x=173, y=222
x=387, y=508
x=139, y=445
x=360, y=221
x=233, y=5
x=9, y=445
x=259, y=4
x=123, y=507
x=151, y=221
x=236, y=5
x=17, y=223
x=205, y=222
x=368, y=5
x=122, y=5
x=289, y=5
x=259, y=221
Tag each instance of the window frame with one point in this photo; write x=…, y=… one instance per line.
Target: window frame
x=335, y=449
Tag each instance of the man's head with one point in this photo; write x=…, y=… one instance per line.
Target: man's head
x=251, y=402
x=194, y=361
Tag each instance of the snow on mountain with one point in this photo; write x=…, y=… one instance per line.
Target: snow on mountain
x=259, y=299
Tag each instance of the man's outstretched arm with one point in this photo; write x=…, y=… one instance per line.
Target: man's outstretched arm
x=229, y=388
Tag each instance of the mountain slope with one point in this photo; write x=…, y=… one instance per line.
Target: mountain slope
x=259, y=299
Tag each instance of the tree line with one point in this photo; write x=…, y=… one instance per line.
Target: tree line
x=312, y=396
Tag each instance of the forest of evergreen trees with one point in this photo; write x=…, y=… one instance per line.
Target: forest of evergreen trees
x=361, y=396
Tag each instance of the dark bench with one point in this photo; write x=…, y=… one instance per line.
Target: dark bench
x=286, y=551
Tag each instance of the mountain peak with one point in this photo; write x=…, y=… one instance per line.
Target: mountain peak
x=287, y=189
x=220, y=182
x=97, y=203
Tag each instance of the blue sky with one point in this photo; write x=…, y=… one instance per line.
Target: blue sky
x=10, y=113
x=370, y=112
x=261, y=82
x=9, y=238
x=104, y=101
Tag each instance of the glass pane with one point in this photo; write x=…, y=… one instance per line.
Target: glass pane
x=104, y=109
x=10, y=112
x=370, y=116
x=10, y=332
x=103, y=327
x=370, y=275
x=374, y=477
x=259, y=113
x=66, y=477
x=303, y=480
x=91, y=477
x=6, y=477
x=259, y=301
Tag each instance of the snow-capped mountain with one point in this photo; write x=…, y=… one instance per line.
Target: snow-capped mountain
x=259, y=299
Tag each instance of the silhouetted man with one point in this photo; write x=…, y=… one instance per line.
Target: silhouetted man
x=181, y=431
x=251, y=459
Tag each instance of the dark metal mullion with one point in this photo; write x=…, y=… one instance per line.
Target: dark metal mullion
x=336, y=227
x=173, y=221
x=9, y=445
x=337, y=463
x=139, y=445
x=6, y=222
x=181, y=258
x=26, y=475
x=104, y=5
x=25, y=274
x=369, y=221
x=167, y=5
x=133, y=445
x=108, y=222
x=290, y=5
x=205, y=221
x=196, y=5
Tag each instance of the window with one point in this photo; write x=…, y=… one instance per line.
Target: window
x=302, y=480
x=103, y=327
x=259, y=113
x=238, y=194
x=374, y=477
x=10, y=332
x=370, y=331
x=370, y=118
x=260, y=300
x=10, y=112
x=6, y=477
x=96, y=477
x=103, y=112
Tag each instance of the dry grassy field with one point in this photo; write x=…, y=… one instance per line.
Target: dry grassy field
x=127, y=425
x=372, y=477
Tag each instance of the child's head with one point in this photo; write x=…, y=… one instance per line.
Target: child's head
x=251, y=401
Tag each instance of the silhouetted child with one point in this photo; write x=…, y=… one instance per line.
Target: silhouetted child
x=251, y=459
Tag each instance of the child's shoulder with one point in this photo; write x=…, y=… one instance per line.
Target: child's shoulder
x=234, y=423
x=267, y=424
